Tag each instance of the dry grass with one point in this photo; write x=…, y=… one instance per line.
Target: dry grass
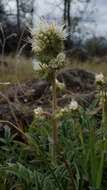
x=96, y=65
x=20, y=69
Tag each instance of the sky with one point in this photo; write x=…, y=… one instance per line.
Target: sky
x=53, y=9
x=99, y=7
x=101, y=16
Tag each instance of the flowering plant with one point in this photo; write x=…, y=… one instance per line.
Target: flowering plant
x=47, y=44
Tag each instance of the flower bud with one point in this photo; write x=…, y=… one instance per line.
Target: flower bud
x=73, y=105
x=99, y=78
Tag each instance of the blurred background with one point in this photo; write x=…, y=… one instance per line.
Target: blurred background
x=84, y=21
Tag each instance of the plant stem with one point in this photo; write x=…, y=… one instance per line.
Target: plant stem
x=54, y=120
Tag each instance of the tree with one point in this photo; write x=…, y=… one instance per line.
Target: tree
x=67, y=15
x=24, y=11
x=21, y=15
x=3, y=16
x=18, y=15
x=27, y=10
x=96, y=46
x=72, y=21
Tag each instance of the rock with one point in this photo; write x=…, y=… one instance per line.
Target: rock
x=77, y=80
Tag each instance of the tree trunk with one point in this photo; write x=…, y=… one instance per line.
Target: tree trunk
x=65, y=12
x=67, y=21
x=18, y=16
x=69, y=17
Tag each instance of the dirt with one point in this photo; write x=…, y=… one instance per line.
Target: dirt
x=18, y=102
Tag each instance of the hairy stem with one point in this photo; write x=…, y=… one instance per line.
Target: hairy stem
x=54, y=120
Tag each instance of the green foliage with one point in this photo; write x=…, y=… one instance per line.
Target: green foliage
x=80, y=159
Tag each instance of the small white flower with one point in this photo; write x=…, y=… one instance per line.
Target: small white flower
x=99, y=78
x=38, y=111
x=61, y=57
x=73, y=105
x=60, y=85
x=63, y=110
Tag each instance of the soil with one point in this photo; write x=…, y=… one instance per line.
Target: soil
x=18, y=102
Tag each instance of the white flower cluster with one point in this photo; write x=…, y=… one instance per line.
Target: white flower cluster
x=60, y=60
x=99, y=78
x=44, y=26
x=47, y=44
x=38, y=111
x=60, y=85
x=73, y=105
